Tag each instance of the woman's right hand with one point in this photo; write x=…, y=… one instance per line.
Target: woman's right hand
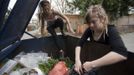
x=78, y=67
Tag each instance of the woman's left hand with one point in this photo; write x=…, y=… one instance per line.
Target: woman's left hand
x=87, y=66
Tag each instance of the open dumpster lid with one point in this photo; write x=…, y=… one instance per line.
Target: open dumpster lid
x=15, y=25
x=17, y=22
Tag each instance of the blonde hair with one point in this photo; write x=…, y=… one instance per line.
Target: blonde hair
x=99, y=11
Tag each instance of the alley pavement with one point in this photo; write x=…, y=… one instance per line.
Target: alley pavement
x=128, y=39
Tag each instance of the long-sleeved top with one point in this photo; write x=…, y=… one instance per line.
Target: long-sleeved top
x=112, y=38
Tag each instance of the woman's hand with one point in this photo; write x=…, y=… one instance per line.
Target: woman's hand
x=88, y=66
x=78, y=67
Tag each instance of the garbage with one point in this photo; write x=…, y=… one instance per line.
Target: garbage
x=47, y=66
x=59, y=69
x=92, y=72
x=37, y=64
x=30, y=63
x=8, y=67
x=59, y=64
x=22, y=71
x=27, y=71
x=31, y=60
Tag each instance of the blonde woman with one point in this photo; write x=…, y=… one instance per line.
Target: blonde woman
x=99, y=31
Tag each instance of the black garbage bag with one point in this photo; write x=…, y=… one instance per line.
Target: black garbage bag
x=92, y=72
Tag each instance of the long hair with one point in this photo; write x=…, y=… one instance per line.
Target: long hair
x=41, y=13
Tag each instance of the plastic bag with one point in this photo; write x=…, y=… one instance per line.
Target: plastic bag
x=59, y=69
x=31, y=60
x=73, y=72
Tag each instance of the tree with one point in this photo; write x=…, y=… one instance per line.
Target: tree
x=61, y=5
x=114, y=8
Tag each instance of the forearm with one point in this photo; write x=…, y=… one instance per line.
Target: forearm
x=108, y=59
x=69, y=28
x=42, y=30
x=68, y=25
x=77, y=53
x=41, y=22
x=43, y=27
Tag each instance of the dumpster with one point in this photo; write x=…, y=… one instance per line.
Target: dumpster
x=47, y=45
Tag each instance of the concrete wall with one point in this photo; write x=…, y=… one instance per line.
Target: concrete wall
x=124, y=24
x=126, y=20
x=75, y=20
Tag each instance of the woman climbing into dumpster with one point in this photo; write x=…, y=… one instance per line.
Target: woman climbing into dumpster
x=100, y=31
x=51, y=19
